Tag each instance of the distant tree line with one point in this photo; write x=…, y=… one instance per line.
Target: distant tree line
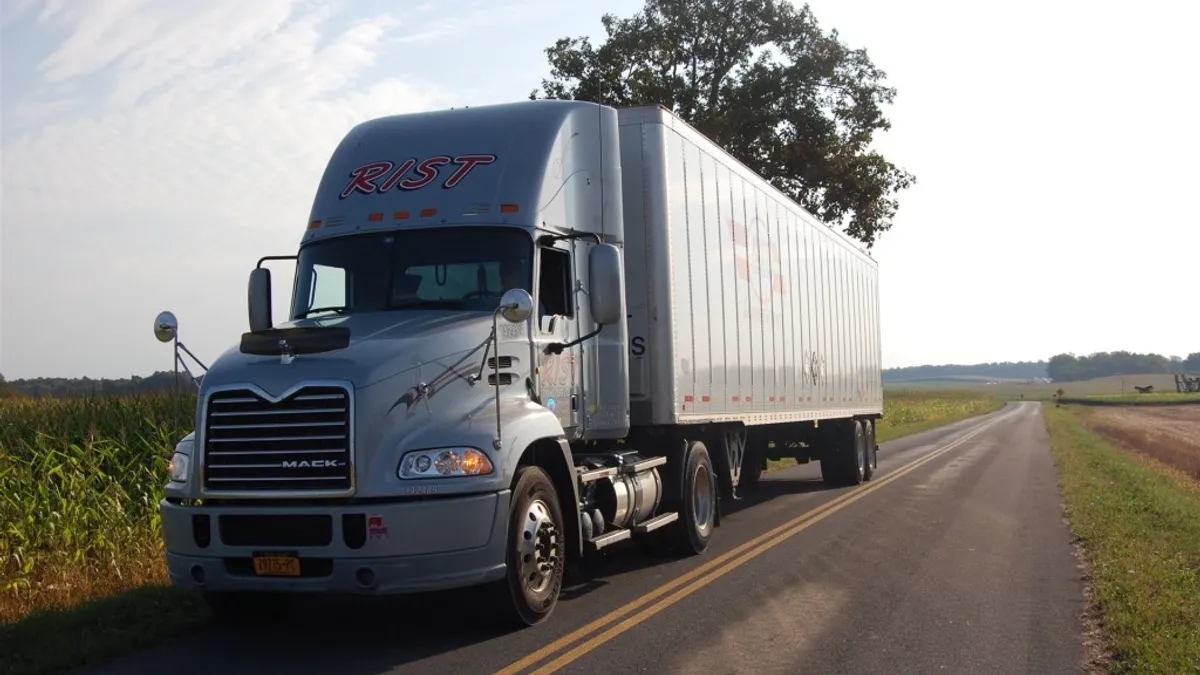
x=1019, y=370
x=1072, y=368
x=41, y=387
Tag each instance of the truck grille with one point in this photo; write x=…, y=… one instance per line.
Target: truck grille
x=299, y=443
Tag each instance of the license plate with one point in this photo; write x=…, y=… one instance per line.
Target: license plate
x=277, y=565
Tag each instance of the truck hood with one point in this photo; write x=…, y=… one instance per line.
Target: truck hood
x=381, y=345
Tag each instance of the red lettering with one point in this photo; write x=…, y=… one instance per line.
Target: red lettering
x=428, y=172
x=466, y=163
x=397, y=175
x=360, y=178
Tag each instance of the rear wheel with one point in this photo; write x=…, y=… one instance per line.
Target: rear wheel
x=697, y=510
x=872, y=449
x=695, y=502
x=844, y=457
x=536, y=551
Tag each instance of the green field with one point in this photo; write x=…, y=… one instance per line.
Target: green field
x=80, y=552
x=1117, y=385
x=1139, y=523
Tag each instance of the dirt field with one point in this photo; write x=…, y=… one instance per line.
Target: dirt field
x=1168, y=434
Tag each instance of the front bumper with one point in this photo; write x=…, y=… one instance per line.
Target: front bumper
x=398, y=547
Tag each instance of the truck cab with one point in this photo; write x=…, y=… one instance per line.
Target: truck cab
x=456, y=288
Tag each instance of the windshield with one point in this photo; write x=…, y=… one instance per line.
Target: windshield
x=461, y=268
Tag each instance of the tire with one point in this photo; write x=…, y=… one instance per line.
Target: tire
x=693, y=531
x=229, y=607
x=535, y=552
x=872, y=449
x=843, y=461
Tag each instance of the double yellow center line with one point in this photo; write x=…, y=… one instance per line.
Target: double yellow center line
x=710, y=571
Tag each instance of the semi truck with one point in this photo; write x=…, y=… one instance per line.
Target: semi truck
x=518, y=335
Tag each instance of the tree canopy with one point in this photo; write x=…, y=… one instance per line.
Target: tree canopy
x=1072, y=368
x=761, y=79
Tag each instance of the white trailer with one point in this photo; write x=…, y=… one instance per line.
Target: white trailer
x=518, y=335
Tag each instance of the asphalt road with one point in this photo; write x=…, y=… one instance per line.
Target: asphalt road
x=954, y=559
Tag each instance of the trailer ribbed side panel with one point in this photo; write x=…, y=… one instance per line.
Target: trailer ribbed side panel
x=743, y=306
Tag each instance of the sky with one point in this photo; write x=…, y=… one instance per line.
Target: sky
x=152, y=150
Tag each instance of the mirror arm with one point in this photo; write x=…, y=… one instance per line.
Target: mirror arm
x=274, y=257
x=558, y=347
x=575, y=234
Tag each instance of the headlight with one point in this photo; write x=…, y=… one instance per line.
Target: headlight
x=179, y=465
x=444, y=463
x=181, y=461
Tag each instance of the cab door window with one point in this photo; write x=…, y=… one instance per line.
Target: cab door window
x=554, y=288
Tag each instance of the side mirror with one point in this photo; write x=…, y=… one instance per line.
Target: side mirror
x=607, y=284
x=516, y=305
x=166, y=327
x=258, y=299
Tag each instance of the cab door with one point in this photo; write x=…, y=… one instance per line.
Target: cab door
x=559, y=375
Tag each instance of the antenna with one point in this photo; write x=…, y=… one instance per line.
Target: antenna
x=600, y=130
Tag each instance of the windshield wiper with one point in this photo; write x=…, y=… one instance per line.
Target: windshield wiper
x=338, y=310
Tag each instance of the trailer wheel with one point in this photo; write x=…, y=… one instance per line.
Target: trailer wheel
x=536, y=551
x=844, y=459
x=872, y=449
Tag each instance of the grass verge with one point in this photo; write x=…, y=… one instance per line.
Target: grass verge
x=1139, y=523
x=911, y=412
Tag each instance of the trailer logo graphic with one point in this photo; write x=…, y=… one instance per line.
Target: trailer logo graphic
x=816, y=367
x=766, y=257
x=364, y=179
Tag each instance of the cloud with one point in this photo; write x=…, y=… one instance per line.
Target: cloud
x=181, y=141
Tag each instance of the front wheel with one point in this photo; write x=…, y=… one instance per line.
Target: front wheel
x=536, y=551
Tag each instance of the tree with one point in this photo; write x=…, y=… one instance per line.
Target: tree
x=760, y=78
x=1192, y=362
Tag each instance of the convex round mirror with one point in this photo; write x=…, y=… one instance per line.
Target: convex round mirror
x=516, y=305
x=166, y=327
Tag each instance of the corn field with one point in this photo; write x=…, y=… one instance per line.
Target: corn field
x=907, y=408
x=80, y=480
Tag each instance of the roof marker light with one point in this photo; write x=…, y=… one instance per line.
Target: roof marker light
x=400, y=215
x=425, y=213
x=378, y=215
x=508, y=208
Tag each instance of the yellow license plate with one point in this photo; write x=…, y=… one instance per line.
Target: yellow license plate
x=276, y=565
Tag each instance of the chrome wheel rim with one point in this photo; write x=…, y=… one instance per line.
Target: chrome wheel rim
x=702, y=499
x=539, y=547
